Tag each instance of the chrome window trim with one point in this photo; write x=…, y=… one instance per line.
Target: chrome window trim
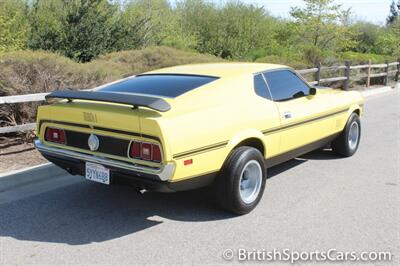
x=263, y=73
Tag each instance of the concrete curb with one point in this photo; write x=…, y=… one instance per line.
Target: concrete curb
x=376, y=91
x=14, y=179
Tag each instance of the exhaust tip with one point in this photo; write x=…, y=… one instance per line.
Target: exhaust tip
x=141, y=190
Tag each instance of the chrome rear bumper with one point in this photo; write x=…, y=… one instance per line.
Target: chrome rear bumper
x=164, y=173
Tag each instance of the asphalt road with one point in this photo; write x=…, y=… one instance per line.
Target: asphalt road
x=317, y=202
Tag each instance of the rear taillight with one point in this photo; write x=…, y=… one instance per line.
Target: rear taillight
x=55, y=135
x=156, y=153
x=135, y=150
x=145, y=151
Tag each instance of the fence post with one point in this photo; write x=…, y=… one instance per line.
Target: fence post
x=387, y=72
x=398, y=70
x=347, y=75
x=318, y=73
x=369, y=73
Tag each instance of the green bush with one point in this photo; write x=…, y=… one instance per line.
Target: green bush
x=293, y=60
x=362, y=58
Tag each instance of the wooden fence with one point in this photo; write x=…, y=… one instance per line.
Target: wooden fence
x=388, y=70
x=347, y=68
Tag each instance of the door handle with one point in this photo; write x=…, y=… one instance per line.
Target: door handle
x=287, y=115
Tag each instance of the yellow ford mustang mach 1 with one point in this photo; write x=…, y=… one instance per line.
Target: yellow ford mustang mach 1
x=187, y=127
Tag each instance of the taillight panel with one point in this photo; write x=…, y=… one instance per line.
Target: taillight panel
x=55, y=135
x=139, y=150
x=145, y=151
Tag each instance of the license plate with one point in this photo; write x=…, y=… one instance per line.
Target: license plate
x=97, y=173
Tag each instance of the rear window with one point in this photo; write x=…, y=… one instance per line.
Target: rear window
x=167, y=85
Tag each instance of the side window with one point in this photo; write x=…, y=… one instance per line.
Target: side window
x=286, y=85
x=261, y=87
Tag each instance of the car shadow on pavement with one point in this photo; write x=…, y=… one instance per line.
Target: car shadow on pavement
x=280, y=168
x=87, y=212
x=322, y=154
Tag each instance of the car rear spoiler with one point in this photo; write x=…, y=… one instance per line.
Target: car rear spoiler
x=151, y=102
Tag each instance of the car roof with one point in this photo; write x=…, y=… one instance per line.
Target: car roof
x=218, y=69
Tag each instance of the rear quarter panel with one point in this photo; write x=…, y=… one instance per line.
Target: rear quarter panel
x=352, y=100
x=204, y=126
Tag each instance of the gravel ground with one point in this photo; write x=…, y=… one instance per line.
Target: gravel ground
x=18, y=156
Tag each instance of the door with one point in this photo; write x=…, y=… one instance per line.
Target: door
x=303, y=116
x=270, y=117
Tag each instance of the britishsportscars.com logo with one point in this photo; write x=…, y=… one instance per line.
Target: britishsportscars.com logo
x=293, y=256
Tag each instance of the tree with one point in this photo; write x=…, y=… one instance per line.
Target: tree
x=388, y=42
x=323, y=26
x=367, y=37
x=243, y=28
x=14, y=26
x=394, y=13
x=79, y=29
x=88, y=28
x=142, y=23
x=47, y=19
x=197, y=25
x=232, y=30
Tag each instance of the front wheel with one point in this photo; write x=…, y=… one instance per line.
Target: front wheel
x=346, y=144
x=240, y=184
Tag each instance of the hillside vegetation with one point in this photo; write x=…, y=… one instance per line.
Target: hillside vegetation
x=24, y=72
x=82, y=30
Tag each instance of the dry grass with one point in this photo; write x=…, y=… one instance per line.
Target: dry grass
x=26, y=72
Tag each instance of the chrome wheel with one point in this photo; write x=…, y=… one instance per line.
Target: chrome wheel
x=250, y=181
x=354, y=134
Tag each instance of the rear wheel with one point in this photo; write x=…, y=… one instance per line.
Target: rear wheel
x=346, y=144
x=240, y=184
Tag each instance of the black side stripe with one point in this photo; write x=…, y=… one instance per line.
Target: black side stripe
x=272, y=130
x=129, y=133
x=207, y=148
x=267, y=131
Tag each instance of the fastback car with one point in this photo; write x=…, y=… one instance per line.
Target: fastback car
x=185, y=127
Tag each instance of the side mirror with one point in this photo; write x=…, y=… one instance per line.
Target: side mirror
x=313, y=91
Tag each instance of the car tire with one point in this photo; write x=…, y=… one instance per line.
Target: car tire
x=346, y=144
x=240, y=183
